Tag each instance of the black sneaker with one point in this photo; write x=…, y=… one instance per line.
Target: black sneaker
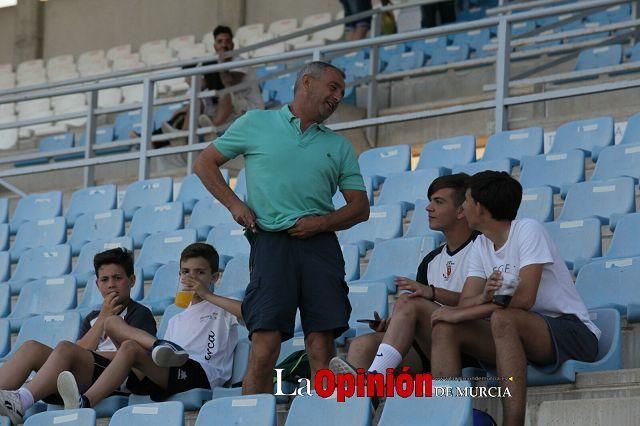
x=167, y=354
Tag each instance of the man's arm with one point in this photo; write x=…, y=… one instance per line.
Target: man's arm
x=473, y=292
x=457, y=314
x=234, y=307
x=525, y=295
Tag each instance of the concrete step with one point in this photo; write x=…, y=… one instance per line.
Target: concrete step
x=596, y=412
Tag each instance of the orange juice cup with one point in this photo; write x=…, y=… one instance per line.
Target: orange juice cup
x=183, y=298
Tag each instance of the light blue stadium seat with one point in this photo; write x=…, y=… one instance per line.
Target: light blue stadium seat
x=5, y=300
x=617, y=161
x=4, y=239
x=41, y=262
x=419, y=225
x=169, y=312
x=240, y=359
x=95, y=199
x=235, y=278
x=269, y=69
x=4, y=210
x=48, y=330
x=428, y=46
x=576, y=240
x=170, y=413
x=351, y=255
x=192, y=190
x=380, y=162
x=609, y=356
x=220, y=392
x=163, y=288
x=314, y=410
x=284, y=88
x=514, y=144
x=558, y=171
x=46, y=205
x=413, y=410
x=398, y=257
x=296, y=343
x=159, y=249
x=229, y=241
x=164, y=113
x=338, y=198
x=240, y=187
x=450, y=55
x=406, y=61
x=618, y=13
x=5, y=266
x=150, y=220
x=347, y=59
x=384, y=223
x=37, y=233
x=407, y=187
x=365, y=298
x=602, y=199
x=150, y=192
x=5, y=337
x=598, y=57
x=80, y=417
x=537, y=203
x=57, y=143
x=125, y=122
x=96, y=226
x=475, y=39
x=624, y=241
x=448, y=153
x=632, y=131
x=207, y=214
x=519, y=28
x=588, y=135
x=249, y=410
x=83, y=268
x=385, y=53
x=471, y=169
x=104, y=136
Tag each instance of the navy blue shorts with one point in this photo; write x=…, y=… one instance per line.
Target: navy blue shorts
x=288, y=273
x=352, y=7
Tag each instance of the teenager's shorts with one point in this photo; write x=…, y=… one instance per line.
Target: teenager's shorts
x=181, y=379
x=289, y=273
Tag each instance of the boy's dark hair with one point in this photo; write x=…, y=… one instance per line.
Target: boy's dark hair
x=206, y=251
x=222, y=29
x=117, y=256
x=457, y=182
x=498, y=192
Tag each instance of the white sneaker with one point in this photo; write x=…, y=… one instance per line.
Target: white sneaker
x=168, y=128
x=340, y=366
x=168, y=354
x=11, y=406
x=68, y=390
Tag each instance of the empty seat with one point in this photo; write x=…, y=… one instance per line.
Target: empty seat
x=404, y=62
x=624, y=242
x=229, y=241
x=448, y=152
x=46, y=205
x=57, y=143
x=152, y=46
x=450, y=55
x=170, y=413
x=192, y=51
x=503, y=165
x=163, y=288
x=40, y=262
x=380, y=162
x=351, y=256
x=428, y=46
x=365, y=298
x=384, y=223
x=307, y=409
x=150, y=192
x=96, y=226
x=235, y=278
x=632, y=131
x=83, y=268
x=124, y=123
x=149, y=220
x=475, y=39
x=407, y=187
x=537, y=203
x=419, y=225
x=558, y=171
x=5, y=266
x=192, y=190
x=385, y=53
x=79, y=417
x=118, y=52
x=254, y=410
x=37, y=233
x=576, y=240
x=95, y=199
x=514, y=144
x=617, y=161
x=4, y=237
x=598, y=57
x=159, y=249
x=601, y=199
x=207, y=214
x=247, y=32
x=4, y=210
x=588, y=135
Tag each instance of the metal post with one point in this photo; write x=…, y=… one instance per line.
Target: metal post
x=194, y=111
x=317, y=55
x=372, y=93
x=146, y=120
x=502, y=73
x=92, y=103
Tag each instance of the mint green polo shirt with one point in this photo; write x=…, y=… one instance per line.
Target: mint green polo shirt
x=290, y=174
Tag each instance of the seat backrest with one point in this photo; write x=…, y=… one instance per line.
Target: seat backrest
x=608, y=322
x=124, y=122
x=584, y=134
x=150, y=192
x=95, y=199
x=51, y=295
x=164, y=113
x=255, y=410
x=170, y=413
x=151, y=219
x=386, y=160
x=351, y=256
x=207, y=214
x=4, y=210
x=576, y=239
x=235, y=278
x=609, y=283
x=537, y=203
x=169, y=312
x=448, y=152
x=598, y=57
x=428, y=46
x=600, y=199
x=400, y=256
x=450, y=54
x=407, y=186
x=192, y=190
x=44, y=205
x=84, y=263
x=103, y=135
x=353, y=411
x=79, y=417
x=619, y=160
x=96, y=226
x=385, y=222
x=283, y=26
x=49, y=329
x=229, y=239
x=503, y=165
x=241, y=185
x=366, y=298
x=56, y=142
x=43, y=262
x=36, y=233
x=387, y=52
x=246, y=32
x=165, y=282
x=165, y=247
x=554, y=170
x=632, y=131
x=625, y=238
x=5, y=266
x=514, y=144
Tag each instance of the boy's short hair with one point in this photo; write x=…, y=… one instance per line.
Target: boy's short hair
x=206, y=251
x=498, y=192
x=457, y=182
x=116, y=256
x=222, y=29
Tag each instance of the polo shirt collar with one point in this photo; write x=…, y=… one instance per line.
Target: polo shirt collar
x=286, y=111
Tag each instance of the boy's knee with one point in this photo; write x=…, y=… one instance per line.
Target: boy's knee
x=112, y=323
x=502, y=321
x=65, y=347
x=443, y=332
x=130, y=348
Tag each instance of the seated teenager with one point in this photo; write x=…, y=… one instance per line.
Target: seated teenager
x=544, y=323
x=89, y=356
x=196, y=352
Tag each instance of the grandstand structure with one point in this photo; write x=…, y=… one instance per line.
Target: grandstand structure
x=545, y=90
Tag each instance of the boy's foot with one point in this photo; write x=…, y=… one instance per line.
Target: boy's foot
x=167, y=354
x=168, y=128
x=68, y=390
x=11, y=407
x=340, y=366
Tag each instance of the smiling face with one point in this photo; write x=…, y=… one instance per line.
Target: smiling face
x=112, y=278
x=442, y=210
x=324, y=93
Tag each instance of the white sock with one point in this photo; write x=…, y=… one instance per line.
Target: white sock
x=386, y=357
x=26, y=398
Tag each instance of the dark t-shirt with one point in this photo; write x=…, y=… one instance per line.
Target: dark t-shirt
x=137, y=316
x=212, y=81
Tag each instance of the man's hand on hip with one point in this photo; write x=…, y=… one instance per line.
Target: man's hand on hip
x=243, y=215
x=308, y=226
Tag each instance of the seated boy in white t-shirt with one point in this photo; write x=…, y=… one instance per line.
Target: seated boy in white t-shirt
x=544, y=323
x=196, y=352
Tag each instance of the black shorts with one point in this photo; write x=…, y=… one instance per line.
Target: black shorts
x=289, y=273
x=181, y=379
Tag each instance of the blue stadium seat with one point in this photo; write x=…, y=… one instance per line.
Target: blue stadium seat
x=41, y=262
x=407, y=187
x=576, y=240
x=617, y=161
x=207, y=214
x=48, y=330
x=440, y=410
x=235, y=278
x=240, y=358
x=150, y=220
x=519, y=28
x=96, y=226
x=428, y=46
x=164, y=113
x=57, y=143
x=124, y=123
x=83, y=268
x=419, y=225
x=46, y=205
x=384, y=223
x=269, y=69
x=351, y=255
x=5, y=300
x=162, y=248
x=80, y=417
x=192, y=190
x=471, y=169
x=450, y=55
x=624, y=242
x=150, y=192
x=169, y=312
x=448, y=153
x=248, y=410
x=4, y=210
x=95, y=199
x=559, y=171
x=514, y=144
x=163, y=288
x=599, y=57
x=588, y=135
x=602, y=199
x=36, y=233
x=345, y=61
x=365, y=298
x=219, y=392
x=385, y=53
x=398, y=257
x=613, y=14
x=284, y=88
x=229, y=241
x=170, y=413
x=380, y=162
x=5, y=266
x=609, y=356
x=4, y=239
x=40, y=297
x=537, y=203
x=632, y=131
x=475, y=39
x=105, y=135
x=240, y=187
x=310, y=410
x=338, y=198
x=5, y=337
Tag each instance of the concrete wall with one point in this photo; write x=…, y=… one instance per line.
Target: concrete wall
x=7, y=34
x=281, y=9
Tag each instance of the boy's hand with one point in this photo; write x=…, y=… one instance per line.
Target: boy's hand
x=110, y=305
x=191, y=283
x=417, y=289
x=494, y=282
x=382, y=325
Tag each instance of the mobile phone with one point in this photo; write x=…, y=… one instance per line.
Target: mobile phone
x=373, y=322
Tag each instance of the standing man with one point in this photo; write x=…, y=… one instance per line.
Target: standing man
x=294, y=164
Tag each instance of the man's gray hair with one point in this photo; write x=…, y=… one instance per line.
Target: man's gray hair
x=315, y=70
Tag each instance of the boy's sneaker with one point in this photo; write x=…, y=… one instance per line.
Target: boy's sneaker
x=167, y=354
x=339, y=365
x=68, y=390
x=11, y=407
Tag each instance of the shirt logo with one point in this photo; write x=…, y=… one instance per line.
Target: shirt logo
x=449, y=271
x=182, y=374
x=211, y=343
x=211, y=316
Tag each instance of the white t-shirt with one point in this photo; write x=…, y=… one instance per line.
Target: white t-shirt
x=209, y=334
x=105, y=344
x=447, y=269
x=528, y=244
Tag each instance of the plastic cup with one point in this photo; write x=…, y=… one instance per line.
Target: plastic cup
x=503, y=295
x=183, y=298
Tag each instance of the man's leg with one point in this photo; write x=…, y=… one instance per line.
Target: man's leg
x=119, y=331
x=363, y=349
x=265, y=349
x=519, y=335
x=31, y=356
x=320, y=347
